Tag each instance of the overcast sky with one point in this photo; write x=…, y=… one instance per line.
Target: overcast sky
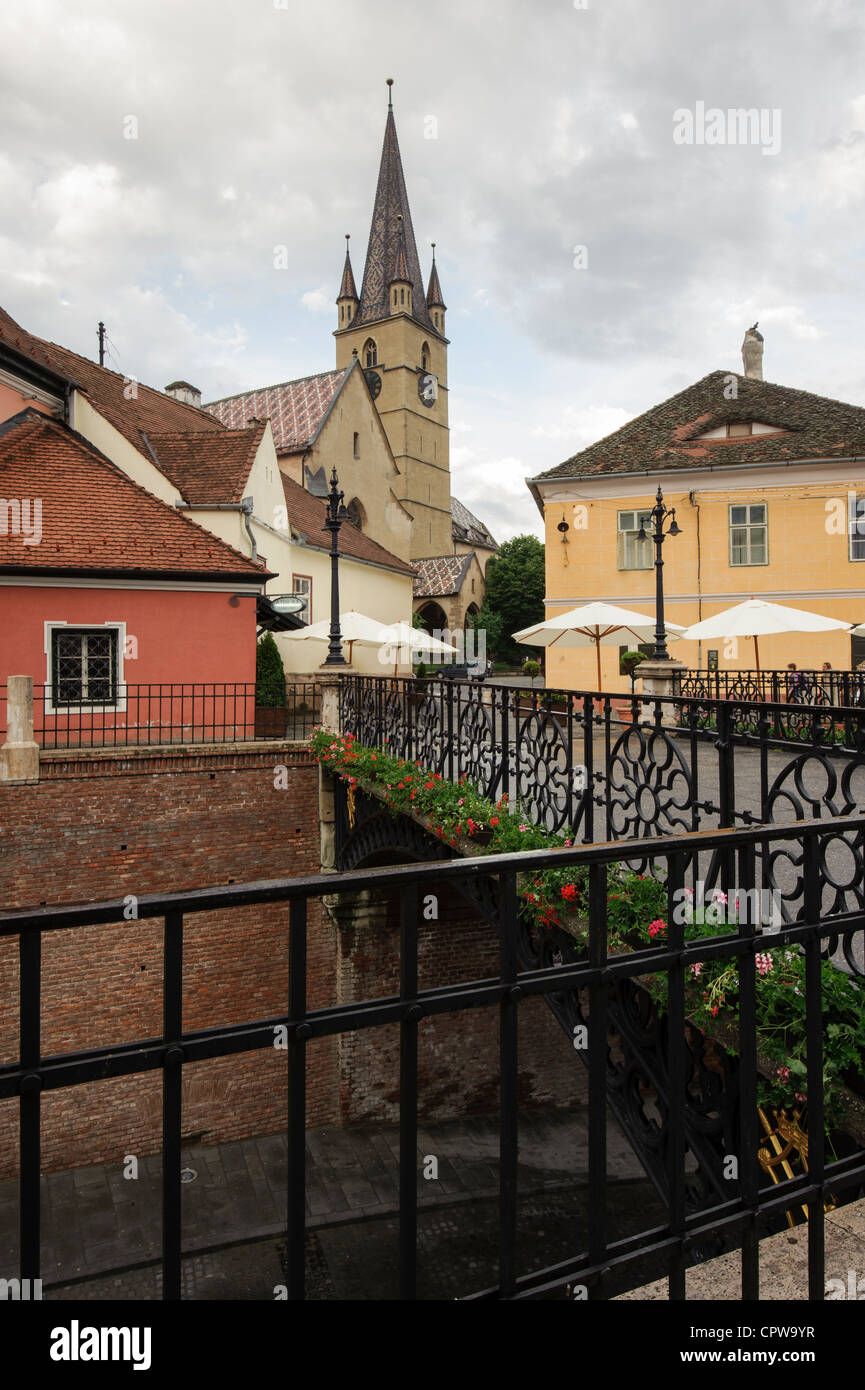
x=527, y=130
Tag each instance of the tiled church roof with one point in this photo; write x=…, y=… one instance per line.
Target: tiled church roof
x=296, y=409
x=441, y=575
x=391, y=203
x=467, y=529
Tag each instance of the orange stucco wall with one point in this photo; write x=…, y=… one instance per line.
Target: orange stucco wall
x=195, y=636
x=11, y=401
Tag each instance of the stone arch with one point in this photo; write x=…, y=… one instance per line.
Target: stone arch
x=433, y=616
x=357, y=513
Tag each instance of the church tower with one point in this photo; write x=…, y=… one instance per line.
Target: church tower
x=397, y=331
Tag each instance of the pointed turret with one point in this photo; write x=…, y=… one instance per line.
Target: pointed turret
x=434, y=299
x=386, y=240
x=400, y=286
x=347, y=300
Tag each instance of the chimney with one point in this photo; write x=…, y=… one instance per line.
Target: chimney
x=752, y=353
x=182, y=391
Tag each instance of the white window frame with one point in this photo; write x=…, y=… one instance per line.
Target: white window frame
x=748, y=525
x=854, y=523
x=119, y=705
x=307, y=579
x=621, y=531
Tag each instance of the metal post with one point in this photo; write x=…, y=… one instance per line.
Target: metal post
x=336, y=515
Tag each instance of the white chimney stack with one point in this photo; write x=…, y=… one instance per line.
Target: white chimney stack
x=182, y=391
x=752, y=353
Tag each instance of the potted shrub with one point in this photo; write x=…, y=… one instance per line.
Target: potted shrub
x=270, y=695
x=531, y=668
x=629, y=663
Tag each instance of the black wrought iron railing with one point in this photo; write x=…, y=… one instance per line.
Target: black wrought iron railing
x=844, y=688
x=158, y=714
x=604, y=766
x=587, y=980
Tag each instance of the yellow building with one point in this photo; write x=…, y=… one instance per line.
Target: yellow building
x=765, y=481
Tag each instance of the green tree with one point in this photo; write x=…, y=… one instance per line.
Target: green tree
x=269, y=673
x=490, y=623
x=515, y=590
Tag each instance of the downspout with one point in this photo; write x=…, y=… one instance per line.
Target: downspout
x=696, y=506
x=246, y=508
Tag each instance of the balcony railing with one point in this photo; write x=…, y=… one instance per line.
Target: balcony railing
x=157, y=714
x=741, y=1212
x=840, y=688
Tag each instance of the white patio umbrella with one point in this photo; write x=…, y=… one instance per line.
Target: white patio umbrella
x=593, y=624
x=353, y=626
x=756, y=617
x=415, y=641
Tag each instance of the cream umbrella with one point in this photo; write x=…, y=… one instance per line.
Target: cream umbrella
x=756, y=617
x=353, y=627
x=593, y=624
x=413, y=640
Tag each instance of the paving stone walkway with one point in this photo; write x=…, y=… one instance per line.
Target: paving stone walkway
x=101, y=1232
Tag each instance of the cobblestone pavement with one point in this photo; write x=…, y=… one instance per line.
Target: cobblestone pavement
x=101, y=1233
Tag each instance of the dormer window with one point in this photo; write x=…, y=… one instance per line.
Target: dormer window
x=370, y=353
x=740, y=429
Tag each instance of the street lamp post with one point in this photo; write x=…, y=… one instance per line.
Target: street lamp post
x=336, y=515
x=659, y=515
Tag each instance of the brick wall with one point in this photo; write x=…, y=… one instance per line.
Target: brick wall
x=458, y=1053
x=104, y=826
x=108, y=825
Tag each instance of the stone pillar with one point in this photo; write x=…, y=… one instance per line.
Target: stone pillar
x=329, y=687
x=659, y=680
x=19, y=756
x=328, y=684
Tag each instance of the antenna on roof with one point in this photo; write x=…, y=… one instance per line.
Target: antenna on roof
x=389, y=93
x=100, y=333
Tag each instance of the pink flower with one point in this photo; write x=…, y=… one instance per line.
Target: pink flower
x=801, y=1097
x=783, y=1073
x=696, y=967
x=657, y=927
x=718, y=896
x=461, y=800
x=525, y=827
x=764, y=962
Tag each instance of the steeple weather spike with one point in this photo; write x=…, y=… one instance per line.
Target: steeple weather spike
x=389, y=93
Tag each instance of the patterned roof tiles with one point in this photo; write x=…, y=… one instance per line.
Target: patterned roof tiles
x=441, y=575
x=296, y=409
x=385, y=241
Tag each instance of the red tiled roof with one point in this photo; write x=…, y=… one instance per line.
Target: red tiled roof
x=306, y=514
x=441, y=575
x=210, y=467
x=95, y=520
x=295, y=409
x=148, y=410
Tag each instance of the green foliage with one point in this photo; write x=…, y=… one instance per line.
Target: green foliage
x=629, y=662
x=269, y=673
x=515, y=590
x=637, y=911
x=491, y=623
x=420, y=670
